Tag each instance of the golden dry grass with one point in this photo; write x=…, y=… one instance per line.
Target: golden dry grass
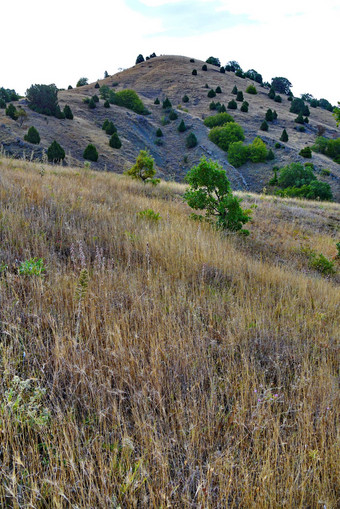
x=183, y=368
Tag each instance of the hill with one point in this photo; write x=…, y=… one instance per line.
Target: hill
x=160, y=363
x=171, y=76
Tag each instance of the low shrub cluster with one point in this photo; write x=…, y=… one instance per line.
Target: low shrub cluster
x=128, y=99
x=218, y=120
x=224, y=135
x=331, y=148
x=255, y=152
x=297, y=180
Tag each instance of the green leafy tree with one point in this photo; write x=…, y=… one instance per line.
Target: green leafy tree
x=95, y=98
x=191, y=141
x=251, y=89
x=306, y=152
x=55, y=153
x=129, y=99
x=218, y=120
x=43, y=99
x=82, y=81
x=284, y=136
x=226, y=134
x=296, y=175
x=213, y=61
x=143, y=169
x=21, y=115
x=257, y=151
x=68, y=112
x=237, y=154
x=104, y=92
x=115, y=141
x=90, y=153
x=32, y=136
x=281, y=85
x=209, y=190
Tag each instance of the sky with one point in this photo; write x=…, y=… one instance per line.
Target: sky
x=47, y=42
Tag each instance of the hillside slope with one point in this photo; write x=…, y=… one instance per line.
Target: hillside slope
x=171, y=76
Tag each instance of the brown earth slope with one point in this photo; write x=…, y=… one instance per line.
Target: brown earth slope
x=171, y=76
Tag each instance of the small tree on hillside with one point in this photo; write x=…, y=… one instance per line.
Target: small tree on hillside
x=210, y=191
x=11, y=111
x=284, y=136
x=115, y=141
x=234, y=90
x=204, y=67
x=167, y=104
x=55, y=153
x=90, y=153
x=239, y=96
x=68, y=112
x=194, y=72
x=139, y=59
x=264, y=126
x=32, y=136
x=281, y=85
x=82, y=81
x=182, y=127
x=143, y=169
x=269, y=115
x=191, y=141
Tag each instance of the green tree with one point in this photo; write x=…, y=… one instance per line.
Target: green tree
x=218, y=90
x=284, y=136
x=115, y=141
x=264, y=126
x=269, y=115
x=232, y=105
x=209, y=190
x=82, y=81
x=257, y=151
x=143, y=169
x=244, y=107
x=159, y=133
x=218, y=120
x=182, y=127
x=251, y=89
x=306, y=152
x=173, y=115
x=92, y=104
x=271, y=93
x=194, y=72
x=281, y=85
x=156, y=101
x=226, y=134
x=299, y=119
x=213, y=61
x=97, y=85
x=129, y=99
x=90, y=153
x=191, y=141
x=55, y=153
x=296, y=175
x=234, y=90
x=32, y=136
x=336, y=114
x=211, y=93
x=104, y=92
x=237, y=154
x=11, y=111
x=239, y=96
x=68, y=112
x=204, y=67
x=106, y=104
x=43, y=99
x=185, y=99
x=166, y=104
x=139, y=59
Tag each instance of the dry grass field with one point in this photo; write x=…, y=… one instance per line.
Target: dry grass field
x=163, y=364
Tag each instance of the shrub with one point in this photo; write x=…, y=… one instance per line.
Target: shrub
x=97, y=85
x=274, y=181
x=185, y=99
x=191, y=141
x=104, y=92
x=271, y=94
x=7, y=95
x=210, y=191
x=150, y=215
x=106, y=104
x=11, y=111
x=115, y=141
x=32, y=136
x=306, y=152
x=167, y=104
x=157, y=101
x=173, y=115
x=129, y=99
x=204, y=67
x=277, y=145
x=32, y=267
x=2, y=103
x=212, y=105
x=213, y=61
x=296, y=175
x=281, y=85
x=278, y=99
x=211, y=93
x=90, y=153
x=297, y=106
x=270, y=155
x=194, y=72
x=222, y=136
x=321, y=263
x=218, y=120
x=159, y=133
x=95, y=98
x=143, y=169
x=239, y=96
x=257, y=151
x=221, y=108
x=68, y=112
x=274, y=115
x=218, y=90
x=237, y=154
x=182, y=127
x=70, y=87
x=222, y=70
x=92, y=104
x=55, y=153
x=105, y=124
x=43, y=99
x=244, y=107
x=139, y=59
x=234, y=90
x=284, y=136
x=251, y=89
x=192, y=60
x=110, y=128
x=232, y=105
x=325, y=172
x=269, y=115
x=82, y=81
x=299, y=119
x=264, y=126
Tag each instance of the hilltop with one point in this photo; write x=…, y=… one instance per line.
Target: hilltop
x=171, y=76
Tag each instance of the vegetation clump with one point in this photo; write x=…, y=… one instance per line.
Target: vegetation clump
x=222, y=136
x=143, y=169
x=218, y=120
x=232, y=105
x=328, y=147
x=251, y=89
x=32, y=136
x=43, y=99
x=90, y=153
x=299, y=181
x=129, y=99
x=55, y=153
x=191, y=141
x=114, y=141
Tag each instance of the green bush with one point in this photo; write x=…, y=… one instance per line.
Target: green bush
x=232, y=105
x=296, y=175
x=166, y=104
x=11, y=111
x=274, y=115
x=257, y=151
x=191, y=141
x=264, y=126
x=218, y=90
x=271, y=94
x=213, y=61
x=222, y=136
x=173, y=115
x=218, y=120
x=68, y=112
x=211, y=93
x=110, y=128
x=321, y=264
x=269, y=115
x=306, y=152
x=277, y=145
x=185, y=99
x=299, y=119
x=106, y=104
x=204, y=67
x=212, y=105
x=159, y=133
x=96, y=85
x=32, y=136
x=270, y=155
x=129, y=99
x=55, y=153
x=325, y=172
x=139, y=59
x=251, y=89
x=239, y=96
x=143, y=169
x=2, y=103
x=222, y=70
x=182, y=127
x=104, y=92
x=7, y=95
x=157, y=101
x=210, y=191
x=194, y=72
x=237, y=154
x=90, y=153
x=92, y=104
x=234, y=90
x=115, y=141
x=244, y=107
x=150, y=215
x=82, y=81
x=278, y=99
x=281, y=85
x=32, y=267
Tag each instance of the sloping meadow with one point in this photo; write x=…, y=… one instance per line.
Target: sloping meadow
x=152, y=361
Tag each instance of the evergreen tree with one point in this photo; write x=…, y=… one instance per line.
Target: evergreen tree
x=92, y=104
x=32, y=136
x=167, y=104
x=244, y=107
x=96, y=85
x=191, y=141
x=107, y=104
x=115, y=141
x=194, y=72
x=159, y=133
x=182, y=127
x=139, y=59
x=55, y=152
x=68, y=112
x=234, y=90
x=232, y=105
x=11, y=111
x=269, y=115
x=157, y=101
x=211, y=93
x=222, y=70
x=218, y=90
x=299, y=119
x=90, y=153
x=284, y=136
x=264, y=126
x=173, y=115
x=271, y=93
x=239, y=96
x=185, y=98
x=204, y=67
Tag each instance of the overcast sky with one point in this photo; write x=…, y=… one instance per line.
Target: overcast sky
x=58, y=42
